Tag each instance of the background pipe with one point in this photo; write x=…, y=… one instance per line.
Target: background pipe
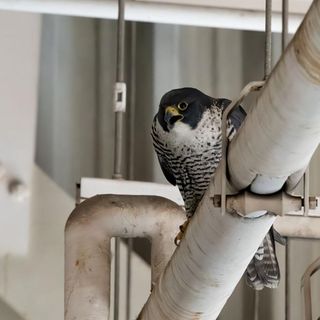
x=87, y=246
x=208, y=264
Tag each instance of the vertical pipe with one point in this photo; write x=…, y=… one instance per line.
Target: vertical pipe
x=256, y=305
x=97, y=32
x=284, y=34
x=118, y=143
x=268, y=39
x=119, y=78
x=287, y=281
x=306, y=191
x=132, y=101
x=130, y=162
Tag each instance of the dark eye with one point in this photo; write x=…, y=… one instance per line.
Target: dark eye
x=182, y=105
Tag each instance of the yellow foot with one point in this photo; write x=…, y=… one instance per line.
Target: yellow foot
x=181, y=233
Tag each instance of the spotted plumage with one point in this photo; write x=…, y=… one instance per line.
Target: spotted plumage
x=186, y=134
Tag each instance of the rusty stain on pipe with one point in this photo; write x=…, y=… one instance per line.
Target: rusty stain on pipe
x=307, y=51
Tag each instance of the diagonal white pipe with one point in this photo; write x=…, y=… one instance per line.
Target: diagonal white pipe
x=278, y=139
x=209, y=263
x=282, y=130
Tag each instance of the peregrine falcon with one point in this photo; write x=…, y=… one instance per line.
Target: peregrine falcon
x=186, y=134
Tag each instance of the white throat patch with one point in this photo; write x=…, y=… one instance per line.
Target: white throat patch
x=181, y=131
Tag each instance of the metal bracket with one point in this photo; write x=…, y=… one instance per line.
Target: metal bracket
x=245, y=203
x=225, y=196
x=250, y=87
x=120, y=97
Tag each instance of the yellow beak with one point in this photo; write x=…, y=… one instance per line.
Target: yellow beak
x=172, y=115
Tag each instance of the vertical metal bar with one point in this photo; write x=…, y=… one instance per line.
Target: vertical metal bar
x=285, y=14
x=119, y=78
x=97, y=32
x=131, y=109
x=118, y=143
x=256, y=305
x=306, y=192
x=284, y=41
x=287, y=281
x=129, y=272
x=130, y=163
x=268, y=39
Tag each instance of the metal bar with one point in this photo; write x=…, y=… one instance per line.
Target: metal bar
x=97, y=30
x=119, y=142
x=131, y=154
x=268, y=39
x=306, y=179
x=132, y=103
x=285, y=17
x=118, y=145
x=128, y=280
x=287, y=281
x=256, y=305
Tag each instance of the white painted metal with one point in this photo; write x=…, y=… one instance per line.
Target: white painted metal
x=156, y=12
x=298, y=226
x=205, y=269
x=306, y=288
x=296, y=6
x=278, y=138
x=19, y=54
x=88, y=233
x=93, y=186
x=282, y=129
x=33, y=284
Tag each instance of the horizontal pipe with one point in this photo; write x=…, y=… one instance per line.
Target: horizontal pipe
x=282, y=131
x=204, y=16
x=87, y=246
x=298, y=226
x=210, y=261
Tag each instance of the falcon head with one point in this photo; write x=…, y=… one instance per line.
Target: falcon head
x=185, y=105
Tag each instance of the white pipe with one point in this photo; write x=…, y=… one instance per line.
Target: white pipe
x=295, y=226
x=156, y=13
x=205, y=269
x=306, y=286
x=282, y=129
x=87, y=246
x=278, y=138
